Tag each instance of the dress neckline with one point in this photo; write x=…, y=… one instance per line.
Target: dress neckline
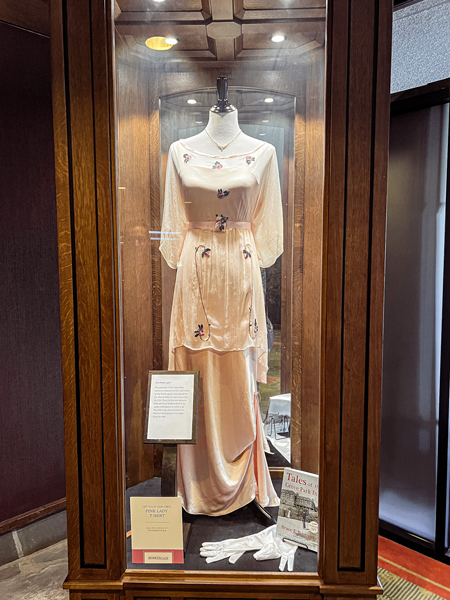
x=182, y=142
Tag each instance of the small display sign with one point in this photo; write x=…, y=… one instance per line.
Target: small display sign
x=172, y=403
x=156, y=530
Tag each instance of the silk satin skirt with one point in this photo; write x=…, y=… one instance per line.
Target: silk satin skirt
x=227, y=468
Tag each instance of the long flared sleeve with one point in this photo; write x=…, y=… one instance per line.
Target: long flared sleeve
x=267, y=225
x=174, y=222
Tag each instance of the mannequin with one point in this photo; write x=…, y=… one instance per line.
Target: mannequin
x=223, y=199
x=223, y=126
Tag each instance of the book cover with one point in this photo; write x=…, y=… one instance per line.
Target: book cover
x=298, y=514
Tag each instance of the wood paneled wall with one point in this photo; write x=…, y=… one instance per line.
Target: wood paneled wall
x=31, y=404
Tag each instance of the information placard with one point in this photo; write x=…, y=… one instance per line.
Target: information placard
x=172, y=402
x=156, y=530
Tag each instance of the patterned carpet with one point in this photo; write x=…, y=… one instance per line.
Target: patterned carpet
x=407, y=575
x=396, y=588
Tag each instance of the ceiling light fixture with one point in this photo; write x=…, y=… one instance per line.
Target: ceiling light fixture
x=192, y=101
x=199, y=122
x=278, y=38
x=268, y=100
x=261, y=134
x=265, y=121
x=157, y=43
x=172, y=41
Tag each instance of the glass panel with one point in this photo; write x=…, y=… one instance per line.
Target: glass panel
x=220, y=183
x=413, y=319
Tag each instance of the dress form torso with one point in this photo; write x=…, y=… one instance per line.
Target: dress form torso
x=222, y=127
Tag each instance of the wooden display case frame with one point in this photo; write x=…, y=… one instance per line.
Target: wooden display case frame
x=356, y=150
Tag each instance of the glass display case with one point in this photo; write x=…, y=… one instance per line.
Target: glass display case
x=221, y=206
x=221, y=116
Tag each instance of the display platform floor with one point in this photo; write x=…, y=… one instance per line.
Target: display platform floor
x=242, y=522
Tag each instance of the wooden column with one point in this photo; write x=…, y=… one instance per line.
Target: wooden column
x=356, y=147
x=82, y=64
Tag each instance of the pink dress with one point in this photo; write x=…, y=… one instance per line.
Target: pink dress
x=222, y=221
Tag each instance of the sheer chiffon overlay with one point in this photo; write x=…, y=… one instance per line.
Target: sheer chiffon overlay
x=222, y=221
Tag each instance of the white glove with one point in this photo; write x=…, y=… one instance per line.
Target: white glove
x=278, y=549
x=266, y=542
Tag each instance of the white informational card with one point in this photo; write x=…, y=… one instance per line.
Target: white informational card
x=171, y=407
x=298, y=514
x=156, y=530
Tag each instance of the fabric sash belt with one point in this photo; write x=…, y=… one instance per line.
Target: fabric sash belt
x=212, y=225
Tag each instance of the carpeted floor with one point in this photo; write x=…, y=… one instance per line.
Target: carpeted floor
x=408, y=575
x=396, y=588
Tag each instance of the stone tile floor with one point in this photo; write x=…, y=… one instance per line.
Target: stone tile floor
x=38, y=576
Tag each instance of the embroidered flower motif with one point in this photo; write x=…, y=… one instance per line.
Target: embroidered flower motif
x=222, y=193
x=221, y=223
x=206, y=252
x=187, y=157
x=246, y=253
x=199, y=332
x=217, y=165
x=255, y=327
x=249, y=159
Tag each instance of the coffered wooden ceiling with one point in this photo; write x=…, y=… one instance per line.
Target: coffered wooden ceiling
x=222, y=30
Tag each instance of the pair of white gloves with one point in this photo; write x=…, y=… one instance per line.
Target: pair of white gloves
x=266, y=542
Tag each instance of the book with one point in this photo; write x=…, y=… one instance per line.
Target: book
x=298, y=514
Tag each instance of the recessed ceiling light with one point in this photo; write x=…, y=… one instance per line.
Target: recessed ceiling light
x=158, y=1
x=192, y=101
x=171, y=41
x=261, y=134
x=278, y=37
x=268, y=100
x=265, y=121
x=157, y=43
x=199, y=122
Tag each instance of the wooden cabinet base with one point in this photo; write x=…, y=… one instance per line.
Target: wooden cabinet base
x=219, y=584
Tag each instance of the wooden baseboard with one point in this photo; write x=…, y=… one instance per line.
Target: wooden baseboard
x=32, y=515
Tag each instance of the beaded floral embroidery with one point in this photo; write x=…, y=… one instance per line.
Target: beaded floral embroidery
x=187, y=157
x=249, y=159
x=246, y=253
x=221, y=223
x=199, y=332
x=255, y=327
x=222, y=193
x=217, y=165
x=206, y=252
